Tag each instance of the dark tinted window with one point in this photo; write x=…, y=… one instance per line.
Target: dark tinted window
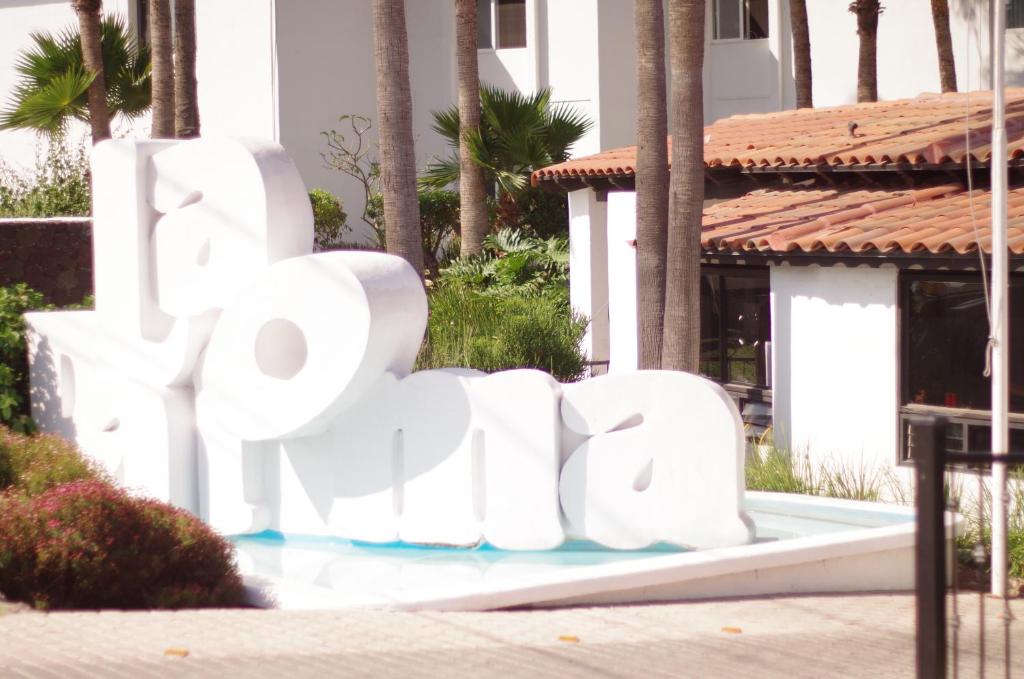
x=1015, y=13
x=735, y=325
x=945, y=333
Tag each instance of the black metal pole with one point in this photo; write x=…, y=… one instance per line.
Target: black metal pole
x=927, y=444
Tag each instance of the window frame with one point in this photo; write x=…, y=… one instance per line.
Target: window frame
x=741, y=392
x=958, y=419
x=492, y=8
x=744, y=17
x=1009, y=13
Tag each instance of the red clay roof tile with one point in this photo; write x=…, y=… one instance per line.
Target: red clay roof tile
x=934, y=219
x=929, y=129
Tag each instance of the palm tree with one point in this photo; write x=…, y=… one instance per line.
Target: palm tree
x=88, y=12
x=681, y=345
x=652, y=179
x=518, y=134
x=944, y=45
x=55, y=83
x=186, y=105
x=163, y=69
x=394, y=111
x=867, y=12
x=472, y=194
x=801, y=52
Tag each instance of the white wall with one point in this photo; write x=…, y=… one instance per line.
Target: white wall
x=325, y=67
x=19, y=18
x=834, y=352
x=907, y=61
x=236, y=69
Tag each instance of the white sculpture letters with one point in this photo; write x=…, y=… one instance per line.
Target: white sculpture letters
x=230, y=371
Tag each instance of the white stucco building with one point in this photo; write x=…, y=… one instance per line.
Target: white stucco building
x=841, y=290
x=287, y=69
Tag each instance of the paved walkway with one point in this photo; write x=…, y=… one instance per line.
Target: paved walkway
x=792, y=637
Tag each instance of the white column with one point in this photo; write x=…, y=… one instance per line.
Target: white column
x=588, y=267
x=622, y=339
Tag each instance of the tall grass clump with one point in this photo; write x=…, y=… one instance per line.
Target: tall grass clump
x=501, y=332
x=773, y=469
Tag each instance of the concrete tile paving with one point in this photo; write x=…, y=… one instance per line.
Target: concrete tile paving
x=794, y=637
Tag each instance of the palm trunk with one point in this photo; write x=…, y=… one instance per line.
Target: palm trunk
x=186, y=104
x=801, y=53
x=652, y=180
x=944, y=45
x=88, y=12
x=394, y=110
x=162, y=65
x=472, y=193
x=681, y=346
x=867, y=12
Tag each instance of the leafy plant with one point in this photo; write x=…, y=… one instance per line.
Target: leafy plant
x=32, y=465
x=58, y=186
x=513, y=263
x=14, y=405
x=89, y=545
x=329, y=220
x=518, y=134
x=493, y=332
x=54, y=80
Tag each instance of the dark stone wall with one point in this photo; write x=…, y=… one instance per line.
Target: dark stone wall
x=54, y=256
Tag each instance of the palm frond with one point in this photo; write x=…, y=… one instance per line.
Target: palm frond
x=518, y=133
x=440, y=173
x=54, y=80
x=49, y=108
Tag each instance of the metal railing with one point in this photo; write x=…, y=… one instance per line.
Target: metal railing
x=934, y=653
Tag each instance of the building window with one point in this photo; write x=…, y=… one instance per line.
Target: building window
x=1015, y=13
x=739, y=19
x=735, y=325
x=142, y=21
x=944, y=335
x=500, y=24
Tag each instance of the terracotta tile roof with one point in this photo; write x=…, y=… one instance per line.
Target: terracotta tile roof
x=926, y=130
x=935, y=219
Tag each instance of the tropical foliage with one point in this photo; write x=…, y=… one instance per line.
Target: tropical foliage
x=518, y=134
x=54, y=83
x=513, y=263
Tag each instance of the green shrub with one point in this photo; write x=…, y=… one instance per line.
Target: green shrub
x=90, y=545
x=329, y=220
x=32, y=465
x=495, y=332
x=58, y=186
x=14, y=403
x=439, y=219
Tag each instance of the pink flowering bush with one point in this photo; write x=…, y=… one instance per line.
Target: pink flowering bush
x=87, y=544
